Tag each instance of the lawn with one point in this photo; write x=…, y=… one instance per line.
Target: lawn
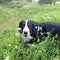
x=12, y=46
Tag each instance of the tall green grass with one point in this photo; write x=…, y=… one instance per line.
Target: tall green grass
x=5, y=13
x=40, y=13
x=12, y=45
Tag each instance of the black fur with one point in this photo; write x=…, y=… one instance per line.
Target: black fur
x=51, y=27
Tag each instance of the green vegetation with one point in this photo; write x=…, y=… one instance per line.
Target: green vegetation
x=12, y=45
x=5, y=13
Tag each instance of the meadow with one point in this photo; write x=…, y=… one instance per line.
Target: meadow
x=5, y=13
x=12, y=46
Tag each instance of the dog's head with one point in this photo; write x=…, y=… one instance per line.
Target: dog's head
x=27, y=29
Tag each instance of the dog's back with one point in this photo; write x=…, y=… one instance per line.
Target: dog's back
x=53, y=28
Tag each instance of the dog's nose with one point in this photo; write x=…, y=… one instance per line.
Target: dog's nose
x=25, y=33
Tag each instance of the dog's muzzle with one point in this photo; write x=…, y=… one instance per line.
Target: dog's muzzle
x=25, y=34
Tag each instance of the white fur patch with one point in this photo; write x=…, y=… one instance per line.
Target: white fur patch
x=39, y=28
x=19, y=29
x=26, y=39
x=38, y=40
x=36, y=27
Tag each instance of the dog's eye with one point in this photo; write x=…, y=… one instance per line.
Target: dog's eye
x=28, y=25
x=23, y=24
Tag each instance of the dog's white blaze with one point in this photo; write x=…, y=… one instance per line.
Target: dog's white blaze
x=26, y=29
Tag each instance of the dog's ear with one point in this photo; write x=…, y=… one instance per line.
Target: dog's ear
x=34, y=29
x=20, y=26
x=20, y=30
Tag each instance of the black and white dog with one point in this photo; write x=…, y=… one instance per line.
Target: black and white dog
x=29, y=31
x=32, y=31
